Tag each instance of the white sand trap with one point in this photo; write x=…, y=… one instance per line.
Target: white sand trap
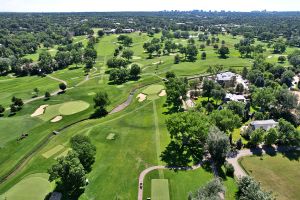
x=136, y=58
x=270, y=56
x=39, y=111
x=162, y=93
x=56, y=119
x=142, y=97
x=156, y=63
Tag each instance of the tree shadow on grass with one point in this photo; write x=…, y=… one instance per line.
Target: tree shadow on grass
x=293, y=154
x=256, y=151
x=99, y=113
x=74, y=195
x=269, y=150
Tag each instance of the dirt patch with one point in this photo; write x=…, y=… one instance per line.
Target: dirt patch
x=39, y=111
x=297, y=93
x=56, y=119
x=162, y=93
x=142, y=97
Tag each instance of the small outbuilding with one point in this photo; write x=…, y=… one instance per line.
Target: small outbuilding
x=235, y=97
x=264, y=124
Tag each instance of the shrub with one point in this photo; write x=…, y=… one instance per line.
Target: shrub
x=229, y=169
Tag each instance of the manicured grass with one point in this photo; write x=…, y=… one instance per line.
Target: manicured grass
x=153, y=89
x=33, y=187
x=72, y=107
x=160, y=189
x=53, y=151
x=22, y=87
x=278, y=173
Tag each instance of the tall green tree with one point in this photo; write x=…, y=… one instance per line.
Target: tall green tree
x=176, y=90
x=218, y=145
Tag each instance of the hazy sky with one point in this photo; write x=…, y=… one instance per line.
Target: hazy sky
x=146, y=5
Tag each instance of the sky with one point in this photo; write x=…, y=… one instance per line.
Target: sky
x=145, y=5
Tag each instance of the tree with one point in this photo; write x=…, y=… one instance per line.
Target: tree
x=285, y=100
x=77, y=56
x=218, y=145
x=257, y=136
x=202, y=47
x=225, y=120
x=263, y=98
x=294, y=58
x=287, y=78
x=90, y=53
x=218, y=93
x=47, y=95
x=271, y=136
x=207, y=88
x=281, y=59
x=191, y=53
x=101, y=100
x=134, y=72
x=85, y=149
x=249, y=189
x=176, y=90
x=176, y=59
x=245, y=72
x=2, y=109
x=203, y=55
x=188, y=132
x=36, y=91
x=287, y=133
x=46, y=62
x=100, y=33
x=237, y=108
x=210, y=190
x=239, y=88
x=69, y=172
x=4, y=65
x=223, y=52
x=127, y=54
x=62, y=86
x=63, y=59
x=279, y=47
x=170, y=75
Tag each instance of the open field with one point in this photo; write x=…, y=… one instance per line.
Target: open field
x=278, y=173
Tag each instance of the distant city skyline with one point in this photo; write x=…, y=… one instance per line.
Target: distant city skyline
x=145, y=5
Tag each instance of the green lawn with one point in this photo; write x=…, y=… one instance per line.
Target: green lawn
x=277, y=173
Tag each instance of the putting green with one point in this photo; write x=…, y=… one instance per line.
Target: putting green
x=153, y=91
x=33, y=187
x=72, y=107
x=160, y=189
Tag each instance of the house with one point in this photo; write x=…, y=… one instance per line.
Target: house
x=127, y=30
x=226, y=79
x=264, y=124
x=235, y=97
x=111, y=31
x=229, y=79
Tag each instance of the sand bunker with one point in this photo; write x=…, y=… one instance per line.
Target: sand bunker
x=39, y=111
x=142, y=97
x=162, y=93
x=270, y=56
x=56, y=119
x=157, y=63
